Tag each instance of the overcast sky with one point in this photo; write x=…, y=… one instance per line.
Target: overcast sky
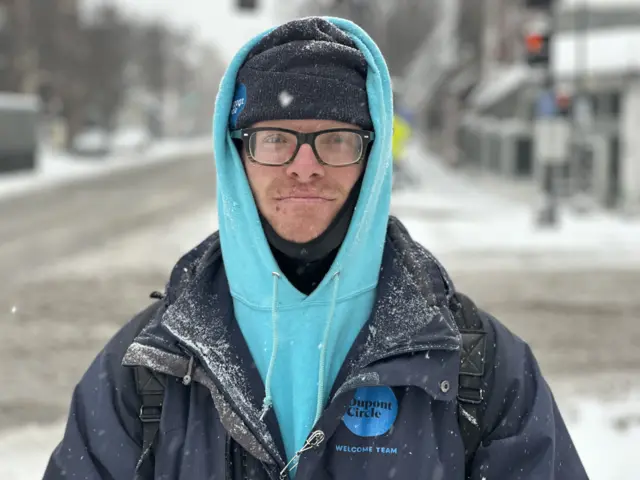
x=218, y=21
x=213, y=20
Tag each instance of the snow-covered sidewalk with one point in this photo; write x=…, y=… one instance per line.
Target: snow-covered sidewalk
x=458, y=220
x=55, y=168
x=606, y=435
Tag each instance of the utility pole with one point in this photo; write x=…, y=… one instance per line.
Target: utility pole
x=551, y=128
x=581, y=164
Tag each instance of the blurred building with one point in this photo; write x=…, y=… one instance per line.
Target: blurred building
x=40, y=49
x=36, y=39
x=476, y=95
x=18, y=56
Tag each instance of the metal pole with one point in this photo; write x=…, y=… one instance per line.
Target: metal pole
x=578, y=167
x=548, y=214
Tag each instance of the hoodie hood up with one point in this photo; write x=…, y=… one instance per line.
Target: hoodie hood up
x=299, y=342
x=245, y=248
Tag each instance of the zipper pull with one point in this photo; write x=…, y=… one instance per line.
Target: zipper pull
x=314, y=441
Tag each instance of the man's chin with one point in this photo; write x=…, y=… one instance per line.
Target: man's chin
x=301, y=232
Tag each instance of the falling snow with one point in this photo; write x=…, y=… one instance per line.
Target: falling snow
x=285, y=98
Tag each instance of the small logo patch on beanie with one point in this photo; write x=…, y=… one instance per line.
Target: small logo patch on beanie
x=239, y=102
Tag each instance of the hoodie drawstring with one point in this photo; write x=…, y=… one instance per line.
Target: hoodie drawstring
x=268, y=400
x=323, y=348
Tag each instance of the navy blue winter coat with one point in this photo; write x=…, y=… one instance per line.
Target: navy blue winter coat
x=390, y=415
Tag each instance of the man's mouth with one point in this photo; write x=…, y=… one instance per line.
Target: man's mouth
x=305, y=198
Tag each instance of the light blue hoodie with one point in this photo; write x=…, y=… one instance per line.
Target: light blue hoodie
x=299, y=342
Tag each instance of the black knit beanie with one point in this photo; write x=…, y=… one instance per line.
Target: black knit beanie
x=304, y=69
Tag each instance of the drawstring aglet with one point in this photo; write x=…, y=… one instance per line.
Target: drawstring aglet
x=268, y=401
x=266, y=406
x=186, y=380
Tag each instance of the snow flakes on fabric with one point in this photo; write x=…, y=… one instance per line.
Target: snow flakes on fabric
x=412, y=311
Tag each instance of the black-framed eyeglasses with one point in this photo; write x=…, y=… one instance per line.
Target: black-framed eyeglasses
x=336, y=147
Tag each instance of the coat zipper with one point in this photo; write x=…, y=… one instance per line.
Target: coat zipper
x=316, y=437
x=314, y=441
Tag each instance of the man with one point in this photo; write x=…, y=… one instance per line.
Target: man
x=310, y=337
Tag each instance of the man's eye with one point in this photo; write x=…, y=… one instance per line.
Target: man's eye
x=274, y=139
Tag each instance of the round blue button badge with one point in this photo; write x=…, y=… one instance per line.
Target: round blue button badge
x=372, y=412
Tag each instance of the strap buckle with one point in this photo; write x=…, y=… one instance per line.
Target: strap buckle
x=150, y=414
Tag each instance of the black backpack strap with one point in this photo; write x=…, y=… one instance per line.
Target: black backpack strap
x=476, y=378
x=150, y=388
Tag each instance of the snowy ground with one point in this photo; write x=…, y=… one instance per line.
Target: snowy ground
x=607, y=436
x=55, y=167
x=472, y=228
x=468, y=229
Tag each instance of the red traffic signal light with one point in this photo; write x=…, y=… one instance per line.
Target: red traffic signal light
x=537, y=45
x=534, y=43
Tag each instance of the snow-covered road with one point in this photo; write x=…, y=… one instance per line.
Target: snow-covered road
x=56, y=168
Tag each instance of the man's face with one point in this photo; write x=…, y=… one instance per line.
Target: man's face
x=299, y=200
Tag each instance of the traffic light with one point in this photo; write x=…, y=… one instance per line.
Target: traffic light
x=539, y=4
x=537, y=45
x=247, y=4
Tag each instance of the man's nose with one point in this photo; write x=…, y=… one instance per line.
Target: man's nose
x=305, y=166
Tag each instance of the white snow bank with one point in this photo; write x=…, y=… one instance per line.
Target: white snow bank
x=607, y=437
x=55, y=167
x=514, y=233
x=25, y=451
x=451, y=215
